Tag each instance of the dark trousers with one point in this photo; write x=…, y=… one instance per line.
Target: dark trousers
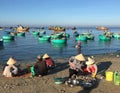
x=72, y=72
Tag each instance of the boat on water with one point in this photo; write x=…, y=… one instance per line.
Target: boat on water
x=22, y=29
x=104, y=38
x=81, y=38
x=59, y=41
x=44, y=38
x=116, y=35
x=8, y=37
x=102, y=28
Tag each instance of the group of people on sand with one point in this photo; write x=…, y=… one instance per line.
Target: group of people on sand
x=81, y=66
x=78, y=65
x=41, y=67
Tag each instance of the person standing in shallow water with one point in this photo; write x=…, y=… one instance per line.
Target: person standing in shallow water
x=78, y=46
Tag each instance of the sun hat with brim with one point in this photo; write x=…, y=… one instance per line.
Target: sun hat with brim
x=80, y=57
x=11, y=61
x=45, y=56
x=90, y=61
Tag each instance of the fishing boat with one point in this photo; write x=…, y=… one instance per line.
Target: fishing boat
x=22, y=29
x=89, y=36
x=116, y=35
x=35, y=32
x=21, y=34
x=81, y=38
x=104, y=38
x=8, y=37
x=59, y=41
x=44, y=38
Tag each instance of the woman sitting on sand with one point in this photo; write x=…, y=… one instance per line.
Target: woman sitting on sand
x=40, y=67
x=76, y=64
x=48, y=60
x=91, y=66
x=10, y=70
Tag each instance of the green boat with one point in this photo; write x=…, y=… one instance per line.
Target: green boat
x=56, y=36
x=89, y=36
x=8, y=37
x=44, y=38
x=59, y=40
x=35, y=32
x=116, y=36
x=81, y=38
x=21, y=34
x=104, y=38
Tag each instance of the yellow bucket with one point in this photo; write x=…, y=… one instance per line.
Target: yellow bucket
x=109, y=76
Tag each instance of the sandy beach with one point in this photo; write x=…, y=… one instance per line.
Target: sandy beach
x=45, y=84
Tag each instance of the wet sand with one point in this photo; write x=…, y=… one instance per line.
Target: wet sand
x=45, y=84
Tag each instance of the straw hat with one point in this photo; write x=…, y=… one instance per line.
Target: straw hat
x=80, y=57
x=45, y=56
x=90, y=61
x=11, y=61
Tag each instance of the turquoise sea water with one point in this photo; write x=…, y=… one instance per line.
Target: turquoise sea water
x=28, y=47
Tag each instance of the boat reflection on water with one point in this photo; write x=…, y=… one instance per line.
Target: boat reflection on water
x=7, y=41
x=59, y=45
x=106, y=43
x=43, y=41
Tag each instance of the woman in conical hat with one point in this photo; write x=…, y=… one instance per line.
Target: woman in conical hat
x=80, y=57
x=49, y=61
x=91, y=67
x=90, y=61
x=40, y=67
x=76, y=63
x=11, y=61
x=7, y=72
x=45, y=56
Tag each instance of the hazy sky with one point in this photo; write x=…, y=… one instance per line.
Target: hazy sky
x=60, y=12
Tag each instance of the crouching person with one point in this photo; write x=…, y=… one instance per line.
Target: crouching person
x=91, y=67
x=40, y=67
x=10, y=70
x=76, y=64
x=49, y=61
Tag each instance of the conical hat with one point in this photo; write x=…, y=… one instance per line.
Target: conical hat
x=45, y=56
x=90, y=61
x=11, y=61
x=80, y=57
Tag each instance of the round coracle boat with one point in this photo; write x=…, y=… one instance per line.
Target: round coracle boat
x=105, y=38
x=35, y=32
x=44, y=38
x=81, y=37
x=21, y=34
x=59, y=40
x=116, y=36
x=8, y=37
